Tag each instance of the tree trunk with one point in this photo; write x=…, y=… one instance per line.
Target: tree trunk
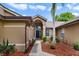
x=54, y=35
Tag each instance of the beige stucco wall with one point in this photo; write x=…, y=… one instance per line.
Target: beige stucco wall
x=29, y=34
x=1, y=31
x=7, y=13
x=71, y=34
x=4, y=12
x=58, y=33
x=15, y=33
x=1, y=11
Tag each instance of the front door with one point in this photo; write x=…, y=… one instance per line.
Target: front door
x=37, y=33
x=38, y=29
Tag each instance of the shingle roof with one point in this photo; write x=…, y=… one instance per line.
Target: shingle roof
x=10, y=11
x=74, y=21
x=39, y=16
x=50, y=24
x=15, y=18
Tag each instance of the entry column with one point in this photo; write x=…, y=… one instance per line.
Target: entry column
x=44, y=29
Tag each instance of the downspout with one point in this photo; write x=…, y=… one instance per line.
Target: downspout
x=25, y=38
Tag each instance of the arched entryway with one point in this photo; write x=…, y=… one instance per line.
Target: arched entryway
x=38, y=25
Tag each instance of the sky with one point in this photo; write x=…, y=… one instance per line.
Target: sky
x=43, y=9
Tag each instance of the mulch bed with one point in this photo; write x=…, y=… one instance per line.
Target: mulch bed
x=19, y=53
x=61, y=49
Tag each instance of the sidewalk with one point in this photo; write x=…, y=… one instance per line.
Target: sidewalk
x=37, y=50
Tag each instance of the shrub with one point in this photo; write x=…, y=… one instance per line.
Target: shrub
x=41, y=35
x=76, y=46
x=31, y=45
x=33, y=41
x=51, y=38
x=44, y=39
x=52, y=45
x=57, y=40
x=30, y=42
x=5, y=48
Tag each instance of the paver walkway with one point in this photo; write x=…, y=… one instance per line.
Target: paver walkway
x=37, y=50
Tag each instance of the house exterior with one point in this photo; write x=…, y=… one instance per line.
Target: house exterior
x=69, y=32
x=19, y=30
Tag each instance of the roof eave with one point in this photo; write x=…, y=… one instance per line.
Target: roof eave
x=8, y=10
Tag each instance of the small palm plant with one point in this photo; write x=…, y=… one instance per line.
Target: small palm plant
x=7, y=49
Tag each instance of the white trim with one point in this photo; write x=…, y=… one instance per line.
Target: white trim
x=18, y=44
x=14, y=25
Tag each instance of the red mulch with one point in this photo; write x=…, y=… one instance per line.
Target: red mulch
x=61, y=49
x=18, y=53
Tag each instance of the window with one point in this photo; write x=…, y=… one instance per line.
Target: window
x=47, y=32
x=50, y=32
x=62, y=34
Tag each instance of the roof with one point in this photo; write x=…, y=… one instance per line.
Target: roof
x=10, y=11
x=39, y=16
x=74, y=21
x=15, y=18
x=50, y=24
